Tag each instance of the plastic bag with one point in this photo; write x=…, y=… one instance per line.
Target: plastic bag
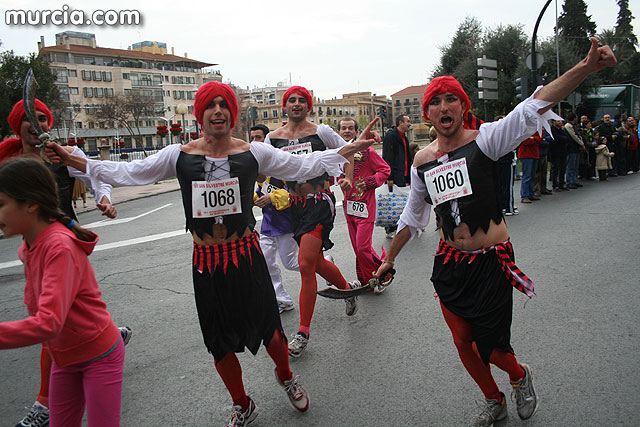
x=389, y=205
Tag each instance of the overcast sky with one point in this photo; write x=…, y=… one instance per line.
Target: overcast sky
x=330, y=46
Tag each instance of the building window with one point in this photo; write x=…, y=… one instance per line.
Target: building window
x=108, y=92
x=191, y=94
x=397, y=103
x=73, y=90
x=274, y=113
x=72, y=73
x=64, y=93
x=78, y=125
x=125, y=76
x=97, y=75
x=127, y=91
x=106, y=76
x=87, y=92
x=86, y=75
x=91, y=125
x=265, y=114
x=98, y=92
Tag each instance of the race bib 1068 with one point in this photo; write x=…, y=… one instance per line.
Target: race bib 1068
x=358, y=209
x=304, y=148
x=448, y=181
x=215, y=198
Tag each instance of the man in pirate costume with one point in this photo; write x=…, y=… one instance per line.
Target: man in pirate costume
x=26, y=144
x=474, y=271
x=370, y=171
x=312, y=208
x=217, y=173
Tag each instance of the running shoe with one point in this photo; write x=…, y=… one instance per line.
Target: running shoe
x=282, y=307
x=298, y=396
x=297, y=344
x=525, y=395
x=351, y=304
x=241, y=418
x=492, y=411
x=38, y=416
x=125, y=333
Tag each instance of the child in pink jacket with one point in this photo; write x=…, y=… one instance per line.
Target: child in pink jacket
x=66, y=311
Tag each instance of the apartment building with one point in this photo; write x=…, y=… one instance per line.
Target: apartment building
x=88, y=75
x=408, y=102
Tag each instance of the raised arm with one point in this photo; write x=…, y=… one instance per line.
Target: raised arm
x=597, y=59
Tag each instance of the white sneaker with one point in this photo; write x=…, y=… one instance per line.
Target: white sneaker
x=282, y=307
x=297, y=344
x=379, y=289
x=351, y=304
x=38, y=416
x=298, y=396
x=240, y=418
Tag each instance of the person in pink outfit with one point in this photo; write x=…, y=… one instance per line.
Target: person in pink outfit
x=370, y=171
x=66, y=311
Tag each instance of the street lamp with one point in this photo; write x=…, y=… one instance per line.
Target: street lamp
x=182, y=109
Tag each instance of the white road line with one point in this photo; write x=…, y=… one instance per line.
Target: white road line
x=105, y=222
x=128, y=242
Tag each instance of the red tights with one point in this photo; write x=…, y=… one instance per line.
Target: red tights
x=311, y=261
x=231, y=372
x=481, y=373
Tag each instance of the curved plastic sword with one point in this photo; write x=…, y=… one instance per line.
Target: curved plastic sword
x=29, y=100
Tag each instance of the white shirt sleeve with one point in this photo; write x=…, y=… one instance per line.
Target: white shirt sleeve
x=138, y=172
x=498, y=138
x=98, y=188
x=417, y=213
x=282, y=165
x=330, y=138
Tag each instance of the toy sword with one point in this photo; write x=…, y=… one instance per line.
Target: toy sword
x=335, y=293
x=29, y=100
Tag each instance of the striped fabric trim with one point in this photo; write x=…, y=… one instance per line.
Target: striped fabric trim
x=514, y=275
x=216, y=256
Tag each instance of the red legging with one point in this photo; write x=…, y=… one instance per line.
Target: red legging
x=481, y=373
x=311, y=261
x=231, y=372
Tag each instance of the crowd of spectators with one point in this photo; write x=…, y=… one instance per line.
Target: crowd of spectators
x=577, y=150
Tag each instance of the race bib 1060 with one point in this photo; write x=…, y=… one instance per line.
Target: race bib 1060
x=358, y=209
x=448, y=181
x=304, y=148
x=215, y=198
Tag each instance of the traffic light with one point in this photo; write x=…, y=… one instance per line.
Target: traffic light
x=379, y=111
x=522, y=90
x=253, y=113
x=384, y=113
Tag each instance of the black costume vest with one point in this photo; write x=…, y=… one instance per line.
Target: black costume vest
x=479, y=208
x=316, y=145
x=190, y=167
x=65, y=188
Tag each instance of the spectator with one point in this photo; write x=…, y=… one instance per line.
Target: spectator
x=529, y=153
x=558, y=155
x=633, y=160
x=603, y=157
x=540, y=187
x=574, y=147
x=608, y=130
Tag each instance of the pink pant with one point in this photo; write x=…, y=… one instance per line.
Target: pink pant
x=367, y=260
x=96, y=385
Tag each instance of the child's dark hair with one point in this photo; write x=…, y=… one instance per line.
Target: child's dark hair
x=28, y=180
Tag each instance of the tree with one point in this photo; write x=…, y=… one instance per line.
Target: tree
x=127, y=111
x=13, y=69
x=463, y=48
x=506, y=44
x=624, y=47
x=575, y=26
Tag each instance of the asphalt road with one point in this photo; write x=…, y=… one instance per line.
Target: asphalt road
x=393, y=363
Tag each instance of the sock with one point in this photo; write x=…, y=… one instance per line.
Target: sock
x=279, y=353
x=231, y=373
